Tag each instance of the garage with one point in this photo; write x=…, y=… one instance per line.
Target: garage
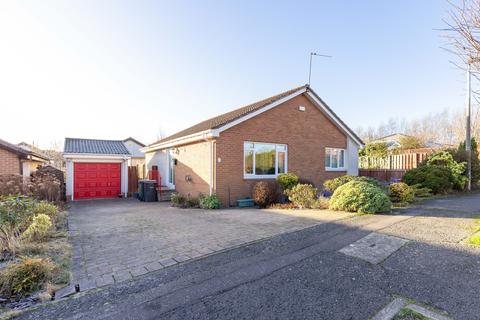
x=96, y=169
x=96, y=180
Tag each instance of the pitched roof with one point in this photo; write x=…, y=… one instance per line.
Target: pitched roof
x=93, y=146
x=13, y=148
x=223, y=119
x=134, y=140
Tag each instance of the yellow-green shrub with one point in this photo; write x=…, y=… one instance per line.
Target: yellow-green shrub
x=28, y=275
x=303, y=195
x=401, y=192
x=44, y=207
x=39, y=228
x=361, y=197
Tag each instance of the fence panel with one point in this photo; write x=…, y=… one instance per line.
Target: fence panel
x=383, y=174
x=132, y=179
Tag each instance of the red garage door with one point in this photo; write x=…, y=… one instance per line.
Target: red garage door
x=96, y=180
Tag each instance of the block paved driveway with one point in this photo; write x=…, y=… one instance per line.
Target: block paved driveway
x=117, y=240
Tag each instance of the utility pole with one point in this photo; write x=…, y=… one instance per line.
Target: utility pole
x=468, y=139
x=311, y=58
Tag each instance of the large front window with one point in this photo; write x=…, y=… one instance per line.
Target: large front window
x=334, y=159
x=264, y=160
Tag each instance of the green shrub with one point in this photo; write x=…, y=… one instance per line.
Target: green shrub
x=265, y=193
x=39, y=228
x=209, y=201
x=303, y=195
x=44, y=207
x=457, y=170
x=360, y=196
x=177, y=200
x=332, y=184
x=401, y=193
x=421, y=192
x=28, y=275
x=436, y=178
x=320, y=203
x=460, y=155
x=287, y=180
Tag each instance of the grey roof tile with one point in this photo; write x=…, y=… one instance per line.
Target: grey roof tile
x=93, y=146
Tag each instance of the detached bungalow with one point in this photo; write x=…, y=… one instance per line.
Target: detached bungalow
x=294, y=131
x=17, y=160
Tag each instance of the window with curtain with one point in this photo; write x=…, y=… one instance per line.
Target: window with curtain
x=264, y=160
x=334, y=159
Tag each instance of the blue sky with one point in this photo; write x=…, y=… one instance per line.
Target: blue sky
x=112, y=69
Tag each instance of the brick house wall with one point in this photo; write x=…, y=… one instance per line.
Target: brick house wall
x=193, y=168
x=9, y=162
x=306, y=134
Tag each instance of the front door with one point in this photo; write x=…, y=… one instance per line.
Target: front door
x=171, y=170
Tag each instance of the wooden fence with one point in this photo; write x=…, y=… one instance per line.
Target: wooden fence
x=383, y=174
x=404, y=161
x=391, y=167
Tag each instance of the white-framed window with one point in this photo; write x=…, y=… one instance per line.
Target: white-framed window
x=335, y=159
x=264, y=160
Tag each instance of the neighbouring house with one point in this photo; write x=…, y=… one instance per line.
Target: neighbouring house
x=16, y=160
x=55, y=157
x=294, y=131
x=137, y=156
x=394, y=141
x=96, y=168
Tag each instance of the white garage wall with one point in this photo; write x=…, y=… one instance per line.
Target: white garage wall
x=71, y=159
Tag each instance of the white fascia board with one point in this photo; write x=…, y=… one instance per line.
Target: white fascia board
x=261, y=110
x=95, y=156
x=334, y=118
x=199, y=136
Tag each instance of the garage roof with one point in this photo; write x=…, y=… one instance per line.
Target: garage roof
x=94, y=146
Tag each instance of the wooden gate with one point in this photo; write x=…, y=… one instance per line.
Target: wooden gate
x=132, y=179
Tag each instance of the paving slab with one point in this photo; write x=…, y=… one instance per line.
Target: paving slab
x=126, y=237
x=374, y=248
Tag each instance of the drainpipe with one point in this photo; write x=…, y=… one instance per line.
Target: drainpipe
x=211, y=157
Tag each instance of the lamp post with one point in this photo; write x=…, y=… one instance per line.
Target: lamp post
x=468, y=139
x=311, y=58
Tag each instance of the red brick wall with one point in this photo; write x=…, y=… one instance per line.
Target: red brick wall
x=9, y=162
x=306, y=134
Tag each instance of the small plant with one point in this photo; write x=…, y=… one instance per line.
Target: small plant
x=287, y=206
x=321, y=203
x=39, y=228
x=401, y=193
x=421, y=192
x=361, y=197
x=177, y=200
x=457, y=170
x=192, y=202
x=287, y=180
x=265, y=193
x=28, y=275
x=44, y=207
x=303, y=195
x=209, y=201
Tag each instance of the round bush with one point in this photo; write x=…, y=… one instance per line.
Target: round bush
x=332, y=184
x=287, y=180
x=401, y=192
x=303, y=195
x=360, y=196
x=265, y=193
x=439, y=179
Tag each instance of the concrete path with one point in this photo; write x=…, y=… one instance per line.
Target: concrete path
x=303, y=275
x=117, y=240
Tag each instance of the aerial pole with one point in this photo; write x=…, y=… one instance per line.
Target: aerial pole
x=311, y=58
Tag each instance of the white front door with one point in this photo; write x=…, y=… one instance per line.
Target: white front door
x=171, y=170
